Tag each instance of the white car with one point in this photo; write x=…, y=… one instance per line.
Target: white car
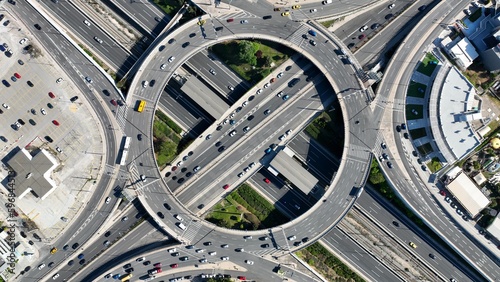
x=279, y=94
x=42, y=110
x=363, y=28
x=391, y=6
x=86, y=22
x=98, y=39
x=246, y=169
x=212, y=72
x=292, y=238
x=200, y=251
x=282, y=137
x=88, y=79
x=244, y=104
x=5, y=106
x=244, y=21
x=313, y=11
x=41, y=266
x=225, y=121
x=230, y=88
x=288, y=132
x=212, y=253
x=171, y=59
x=232, y=133
x=59, y=150
x=55, y=276
x=249, y=262
x=22, y=41
x=108, y=200
x=140, y=259
x=163, y=66
x=224, y=258
x=259, y=91
x=232, y=115
x=266, y=85
x=143, y=178
x=252, y=164
x=279, y=75
x=59, y=80
x=145, y=84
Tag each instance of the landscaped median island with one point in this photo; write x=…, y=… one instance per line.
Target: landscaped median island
x=167, y=140
x=327, y=264
x=253, y=60
x=328, y=129
x=245, y=209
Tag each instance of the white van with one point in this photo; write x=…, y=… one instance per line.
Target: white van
x=172, y=250
x=181, y=226
x=178, y=217
x=327, y=2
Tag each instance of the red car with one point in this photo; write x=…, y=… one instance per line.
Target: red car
x=242, y=278
x=226, y=186
x=230, y=20
x=174, y=265
x=267, y=180
x=114, y=102
x=442, y=192
x=17, y=75
x=51, y=95
x=55, y=122
x=361, y=36
x=157, y=265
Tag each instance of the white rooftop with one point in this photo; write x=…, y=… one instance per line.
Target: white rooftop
x=457, y=100
x=494, y=228
x=468, y=194
x=465, y=52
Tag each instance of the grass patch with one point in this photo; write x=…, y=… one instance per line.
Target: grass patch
x=434, y=165
x=426, y=66
x=418, y=133
x=229, y=52
x=411, y=114
x=425, y=149
x=328, y=130
x=246, y=209
x=416, y=89
x=171, y=7
x=327, y=264
x=167, y=143
x=329, y=23
x=479, y=76
x=476, y=15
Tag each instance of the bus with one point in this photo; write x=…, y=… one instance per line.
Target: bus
x=126, y=146
x=141, y=106
x=126, y=277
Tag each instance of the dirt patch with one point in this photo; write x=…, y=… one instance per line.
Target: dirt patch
x=479, y=76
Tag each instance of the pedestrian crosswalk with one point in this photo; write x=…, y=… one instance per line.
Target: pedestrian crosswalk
x=192, y=230
x=264, y=252
x=121, y=117
x=299, y=36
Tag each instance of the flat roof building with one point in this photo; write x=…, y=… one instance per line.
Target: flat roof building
x=494, y=228
x=33, y=173
x=468, y=194
x=293, y=171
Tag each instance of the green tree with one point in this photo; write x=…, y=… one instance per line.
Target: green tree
x=268, y=61
x=477, y=165
x=376, y=178
x=246, y=52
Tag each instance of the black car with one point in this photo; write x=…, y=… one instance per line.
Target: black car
x=130, y=270
x=30, y=83
x=265, y=245
x=192, y=34
x=36, y=236
x=152, y=83
x=71, y=262
x=66, y=247
x=184, y=258
x=74, y=98
x=107, y=234
x=75, y=246
x=50, y=106
x=23, y=234
x=37, y=26
x=32, y=122
x=189, y=247
x=6, y=23
x=180, y=180
x=174, y=177
x=160, y=214
x=21, y=121
x=139, y=137
x=395, y=223
x=207, y=243
x=172, y=40
x=219, y=28
x=82, y=262
x=432, y=256
x=221, y=149
x=305, y=239
x=31, y=242
x=51, y=264
x=176, y=254
x=147, y=262
x=188, y=277
x=105, y=92
x=218, y=144
x=186, y=44
x=201, y=206
x=128, y=265
x=3, y=139
x=20, y=62
x=183, y=169
x=267, y=17
x=6, y=83
x=189, y=174
x=388, y=16
x=406, y=136
x=219, y=128
x=167, y=206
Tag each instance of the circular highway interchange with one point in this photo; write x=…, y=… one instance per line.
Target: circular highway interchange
x=154, y=192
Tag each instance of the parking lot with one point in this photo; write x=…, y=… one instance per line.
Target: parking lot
x=56, y=122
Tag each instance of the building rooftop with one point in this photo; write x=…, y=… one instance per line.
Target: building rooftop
x=494, y=228
x=465, y=52
x=294, y=172
x=457, y=106
x=468, y=194
x=33, y=172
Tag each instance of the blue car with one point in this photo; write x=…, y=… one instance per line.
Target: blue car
x=116, y=276
x=268, y=150
x=312, y=32
x=285, y=97
x=80, y=256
